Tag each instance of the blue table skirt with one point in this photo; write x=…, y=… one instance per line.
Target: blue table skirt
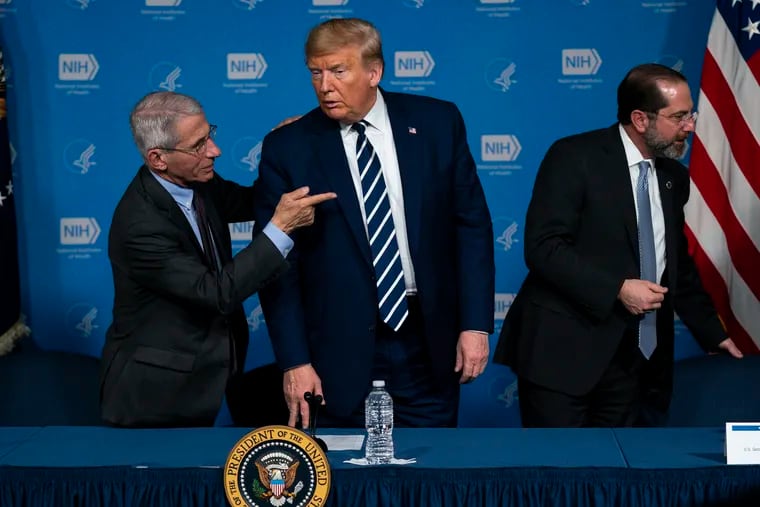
x=79, y=466
x=393, y=487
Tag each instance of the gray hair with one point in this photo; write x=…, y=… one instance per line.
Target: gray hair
x=154, y=119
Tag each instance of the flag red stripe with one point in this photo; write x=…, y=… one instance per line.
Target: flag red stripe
x=754, y=66
x=741, y=249
x=741, y=139
x=723, y=207
x=716, y=287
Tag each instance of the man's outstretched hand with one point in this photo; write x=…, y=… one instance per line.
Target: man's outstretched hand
x=296, y=209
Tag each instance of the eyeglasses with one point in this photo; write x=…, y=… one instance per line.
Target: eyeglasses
x=682, y=119
x=200, y=147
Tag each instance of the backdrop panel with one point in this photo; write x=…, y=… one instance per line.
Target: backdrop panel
x=523, y=72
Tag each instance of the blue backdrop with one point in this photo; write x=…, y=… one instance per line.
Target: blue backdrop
x=523, y=72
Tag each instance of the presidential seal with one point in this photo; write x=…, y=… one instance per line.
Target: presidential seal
x=276, y=466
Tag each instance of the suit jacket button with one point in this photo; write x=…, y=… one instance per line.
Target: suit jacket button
x=371, y=329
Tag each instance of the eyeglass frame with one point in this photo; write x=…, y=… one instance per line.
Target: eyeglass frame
x=202, y=144
x=681, y=122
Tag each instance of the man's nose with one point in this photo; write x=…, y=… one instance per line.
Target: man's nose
x=325, y=83
x=212, y=149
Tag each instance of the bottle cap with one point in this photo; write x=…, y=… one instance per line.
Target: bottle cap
x=378, y=383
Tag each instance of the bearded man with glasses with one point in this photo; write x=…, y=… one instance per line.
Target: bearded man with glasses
x=179, y=336
x=590, y=333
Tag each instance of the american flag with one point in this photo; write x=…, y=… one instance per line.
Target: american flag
x=723, y=213
x=9, y=280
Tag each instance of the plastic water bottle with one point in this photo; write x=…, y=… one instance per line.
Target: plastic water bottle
x=378, y=418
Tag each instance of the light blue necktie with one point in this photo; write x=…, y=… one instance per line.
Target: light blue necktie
x=647, y=258
x=386, y=258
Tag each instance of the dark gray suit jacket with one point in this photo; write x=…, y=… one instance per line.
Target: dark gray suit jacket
x=178, y=331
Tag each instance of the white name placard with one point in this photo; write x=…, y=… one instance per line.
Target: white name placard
x=743, y=443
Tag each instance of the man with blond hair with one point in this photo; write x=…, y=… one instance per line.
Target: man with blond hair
x=396, y=279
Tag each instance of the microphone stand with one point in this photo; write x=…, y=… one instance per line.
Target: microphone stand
x=314, y=401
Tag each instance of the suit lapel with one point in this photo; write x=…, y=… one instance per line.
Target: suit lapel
x=621, y=186
x=334, y=167
x=665, y=183
x=411, y=166
x=165, y=204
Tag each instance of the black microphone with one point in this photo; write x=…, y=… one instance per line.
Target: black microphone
x=314, y=401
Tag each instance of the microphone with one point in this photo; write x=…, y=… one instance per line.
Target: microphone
x=314, y=401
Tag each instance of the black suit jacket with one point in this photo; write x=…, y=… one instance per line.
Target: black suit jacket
x=178, y=329
x=581, y=243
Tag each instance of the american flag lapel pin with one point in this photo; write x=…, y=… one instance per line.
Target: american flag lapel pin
x=412, y=130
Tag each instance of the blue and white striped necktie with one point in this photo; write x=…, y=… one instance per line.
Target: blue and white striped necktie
x=386, y=258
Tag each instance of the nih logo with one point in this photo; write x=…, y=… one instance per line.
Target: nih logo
x=245, y=65
x=499, y=148
x=77, y=67
x=580, y=62
x=241, y=231
x=503, y=301
x=412, y=64
x=79, y=231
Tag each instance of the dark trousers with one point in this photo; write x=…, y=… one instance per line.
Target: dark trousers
x=401, y=359
x=613, y=402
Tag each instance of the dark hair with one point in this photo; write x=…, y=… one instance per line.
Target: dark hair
x=639, y=89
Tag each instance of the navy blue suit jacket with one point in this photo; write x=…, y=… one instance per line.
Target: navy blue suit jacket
x=323, y=311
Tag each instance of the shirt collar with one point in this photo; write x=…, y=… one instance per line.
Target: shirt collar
x=182, y=196
x=632, y=153
x=376, y=116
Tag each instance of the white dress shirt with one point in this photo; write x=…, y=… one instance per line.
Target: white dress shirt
x=634, y=156
x=380, y=135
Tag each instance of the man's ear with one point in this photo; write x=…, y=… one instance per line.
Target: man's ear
x=376, y=73
x=639, y=120
x=155, y=160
